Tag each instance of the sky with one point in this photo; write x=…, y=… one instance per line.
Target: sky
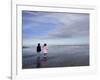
x=54, y=28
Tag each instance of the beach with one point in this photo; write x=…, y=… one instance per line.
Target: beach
x=58, y=56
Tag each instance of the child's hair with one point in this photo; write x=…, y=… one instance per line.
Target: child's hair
x=38, y=44
x=45, y=44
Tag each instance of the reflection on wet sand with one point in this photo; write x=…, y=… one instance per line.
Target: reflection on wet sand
x=58, y=56
x=41, y=62
x=45, y=62
x=38, y=62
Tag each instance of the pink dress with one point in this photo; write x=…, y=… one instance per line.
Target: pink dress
x=45, y=49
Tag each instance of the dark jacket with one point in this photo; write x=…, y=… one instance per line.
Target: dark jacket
x=38, y=48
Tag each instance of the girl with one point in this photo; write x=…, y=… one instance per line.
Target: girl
x=45, y=50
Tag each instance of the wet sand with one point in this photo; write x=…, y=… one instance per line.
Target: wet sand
x=58, y=56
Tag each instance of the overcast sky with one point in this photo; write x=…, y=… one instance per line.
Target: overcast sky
x=55, y=28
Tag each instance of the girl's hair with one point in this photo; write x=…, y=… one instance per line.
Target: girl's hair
x=45, y=44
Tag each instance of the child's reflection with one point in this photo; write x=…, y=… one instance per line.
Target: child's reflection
x=44, y=62
x=38, y=62
x=41, y=62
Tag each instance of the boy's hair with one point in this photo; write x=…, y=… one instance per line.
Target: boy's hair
x=38, y=44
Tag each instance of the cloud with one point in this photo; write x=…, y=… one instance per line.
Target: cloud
x=55, y=26
x=36, y=23
x=75, y=25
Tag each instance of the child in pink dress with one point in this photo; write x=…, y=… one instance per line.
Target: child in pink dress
x=45, y=50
